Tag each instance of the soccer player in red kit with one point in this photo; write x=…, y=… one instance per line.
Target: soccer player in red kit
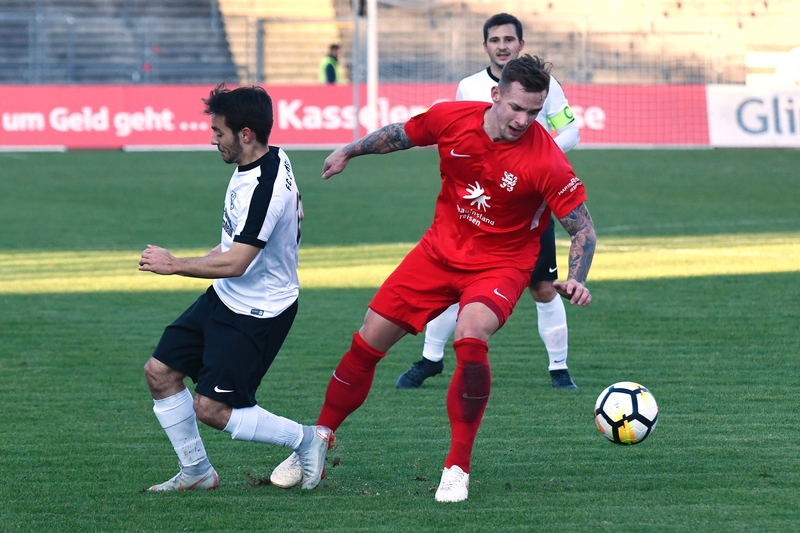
x=502, y=175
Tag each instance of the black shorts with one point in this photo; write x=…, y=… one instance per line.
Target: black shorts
x=546, y=268
x=225, y=353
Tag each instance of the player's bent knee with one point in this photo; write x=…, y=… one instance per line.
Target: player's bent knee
x=200, y=408
x=162, y=380
x=543, y=291
x=211, y=412
x=379, y=333
x=155, y=371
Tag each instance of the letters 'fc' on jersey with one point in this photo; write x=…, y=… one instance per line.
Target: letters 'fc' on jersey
x=496, y=197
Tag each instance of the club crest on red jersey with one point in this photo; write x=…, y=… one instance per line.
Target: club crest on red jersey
x=509, y=181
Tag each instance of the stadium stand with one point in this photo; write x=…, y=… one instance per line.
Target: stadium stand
x=622, y=41
x=282, y=41
x=113, y=41
x=619, y=41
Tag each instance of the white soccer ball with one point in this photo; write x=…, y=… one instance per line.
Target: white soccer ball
x=626, y=413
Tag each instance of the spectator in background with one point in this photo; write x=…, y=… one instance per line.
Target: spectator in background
x=329, y=67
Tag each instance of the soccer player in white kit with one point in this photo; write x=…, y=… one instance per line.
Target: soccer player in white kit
x=502, y=41
x=226, y=341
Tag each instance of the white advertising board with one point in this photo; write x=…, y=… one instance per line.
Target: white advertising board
x=741, y=116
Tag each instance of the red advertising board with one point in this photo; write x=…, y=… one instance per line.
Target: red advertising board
x=159, y=116
x=103, y=116
x=640, y=115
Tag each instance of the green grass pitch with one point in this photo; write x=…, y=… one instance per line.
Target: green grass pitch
x=713, y=336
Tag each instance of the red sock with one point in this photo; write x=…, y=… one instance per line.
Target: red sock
x=467, y=398
x=350, y=384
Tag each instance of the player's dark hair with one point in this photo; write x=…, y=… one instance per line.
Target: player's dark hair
x=244, y=107
x=531, y=72
x=501, y=19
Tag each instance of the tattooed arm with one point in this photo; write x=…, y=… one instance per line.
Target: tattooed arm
x=388, y=139
x=580, y=227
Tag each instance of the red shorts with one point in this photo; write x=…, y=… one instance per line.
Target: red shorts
x=421, y=288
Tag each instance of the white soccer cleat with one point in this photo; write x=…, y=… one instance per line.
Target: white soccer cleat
x=287, y=474
x=312, y=457
x=183, y=481
x=290, y=472
x=454, y=486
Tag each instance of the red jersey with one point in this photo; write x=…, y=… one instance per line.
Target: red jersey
x=496, y=197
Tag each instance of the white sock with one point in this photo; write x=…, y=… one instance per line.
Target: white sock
x=259, y=425
x=553, y=330
x=437, y=332
x=177, y=417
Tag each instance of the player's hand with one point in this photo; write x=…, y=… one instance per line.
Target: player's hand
x=334, y=163
x=158, y=260
x=574, y=291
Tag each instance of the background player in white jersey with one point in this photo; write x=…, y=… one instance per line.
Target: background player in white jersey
x=502, y=41
x=226, y=341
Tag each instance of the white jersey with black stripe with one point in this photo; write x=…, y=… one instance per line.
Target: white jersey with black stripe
x=261, y=209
